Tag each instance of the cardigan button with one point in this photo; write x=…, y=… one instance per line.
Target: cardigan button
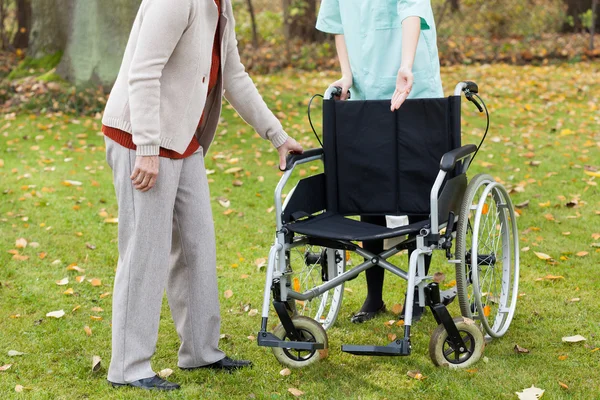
x=203, y=79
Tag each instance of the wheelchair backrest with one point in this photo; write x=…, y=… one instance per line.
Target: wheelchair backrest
x=381, y=162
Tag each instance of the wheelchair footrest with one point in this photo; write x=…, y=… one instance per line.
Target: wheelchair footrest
x=399, y=347
x=267, y=339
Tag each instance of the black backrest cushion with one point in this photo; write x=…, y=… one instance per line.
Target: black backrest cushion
x=382, y=162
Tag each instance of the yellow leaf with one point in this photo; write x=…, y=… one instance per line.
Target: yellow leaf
x=88, y=330
x=74, y=267
x=296, y=284
x=56, y=314
x=95, y=318
x=563, y=357
x=581, y=254
x=416, y=375
x=111, y=221
x=228, y=293
x=542, y=256
x=592, y=173
x=63, y=282
x=397, y=309
x=80, y=278
x=103, y=295
x=96, y=282
x=566, y=132
x=562, y=385
x=97, y=309
x=69, y=291
x=75, y=308
x=391, y=337
x=295, y=392
x=487, y=310
x=21, y=243
x=546, y=204
x=554, y=277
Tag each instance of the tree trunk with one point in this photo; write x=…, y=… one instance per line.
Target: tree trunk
x=21, y=40
x=3, y=36
x=593, y=28
x=49, y=26
x=253, y=20
x=97, y=38
x=574, y=9
x=300, y=17
x=455, y=5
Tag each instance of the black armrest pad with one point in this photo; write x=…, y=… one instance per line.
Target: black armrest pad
x=450, y=158
x=292, y=158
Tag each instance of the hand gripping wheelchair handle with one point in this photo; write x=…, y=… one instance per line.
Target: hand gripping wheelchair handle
x=334, y=91
x=293, y=158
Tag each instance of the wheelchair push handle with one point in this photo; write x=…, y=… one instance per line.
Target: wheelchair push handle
x=335, y=91
x=471, y=89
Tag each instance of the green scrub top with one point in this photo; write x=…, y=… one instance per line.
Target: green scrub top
x=373, y=33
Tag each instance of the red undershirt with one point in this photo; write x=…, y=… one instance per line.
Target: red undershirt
x=125, y=139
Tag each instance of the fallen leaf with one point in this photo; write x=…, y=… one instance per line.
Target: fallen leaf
x=63, y=282
x=14, y=353
x=439, y=277
x=520, y=350
x=79, y=278
x=415, y=375
x=96, y=360
x=554, y=277
x=56, y=314
x=391, y=337
x=21, y=388
x=581, y=254
x=165, y=373
x=563, y=357
x=574, y=300
x=295, y=392
x=72, y=183
x=233, y=170
x=96, y=282
x=5, y=367
x=103, y=295
x=95, y=318
x=531, y=393
x=228, y=293
x=285, y=372
x=88, y=330
x=562, y=385
x=21, y=243
x=542, y=256
x=224, y=203
x=111, y=221
x=97, y=309
x=69, y=291
x=252, y=312
x=397, y=309
x=75, y=308
x=573, y=339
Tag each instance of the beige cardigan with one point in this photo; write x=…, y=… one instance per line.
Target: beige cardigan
x=161, y=90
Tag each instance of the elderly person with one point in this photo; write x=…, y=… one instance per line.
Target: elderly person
x=159, y=122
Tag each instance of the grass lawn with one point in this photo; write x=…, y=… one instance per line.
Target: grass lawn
x=57, y=195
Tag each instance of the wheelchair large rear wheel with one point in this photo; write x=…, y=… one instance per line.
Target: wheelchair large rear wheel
x=308, y=267
x=487, y=276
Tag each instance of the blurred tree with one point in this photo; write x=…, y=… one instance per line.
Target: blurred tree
x=21, y=40
x=299, y=19
x=575, y=8
x=253, y=22
x=92, y=35
x=455, y=5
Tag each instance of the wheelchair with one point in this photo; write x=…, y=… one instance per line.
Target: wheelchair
x=409, y=162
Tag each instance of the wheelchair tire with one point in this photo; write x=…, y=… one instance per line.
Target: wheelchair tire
x=305, y=274
x=311, y=331
x=487, y=238
x=442, y=353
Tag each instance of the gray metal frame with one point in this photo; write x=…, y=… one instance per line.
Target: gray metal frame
x=415, y=276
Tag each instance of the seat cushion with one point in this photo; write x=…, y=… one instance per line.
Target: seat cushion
x=336, y=226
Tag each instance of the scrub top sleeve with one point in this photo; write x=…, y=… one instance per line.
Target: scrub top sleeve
x=416, y=8
x=329, y=19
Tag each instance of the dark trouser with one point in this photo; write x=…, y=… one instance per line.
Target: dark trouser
x=375, y=275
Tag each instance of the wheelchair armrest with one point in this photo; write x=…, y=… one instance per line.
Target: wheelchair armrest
x=450, y=158
x=293, y=158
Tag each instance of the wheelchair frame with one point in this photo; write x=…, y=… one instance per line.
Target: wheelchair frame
x=427, y=240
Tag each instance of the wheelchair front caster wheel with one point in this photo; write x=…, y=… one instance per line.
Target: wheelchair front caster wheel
x=310, y=331
x=442, y=352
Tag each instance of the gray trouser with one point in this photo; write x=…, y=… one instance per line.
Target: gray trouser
x=166, y=241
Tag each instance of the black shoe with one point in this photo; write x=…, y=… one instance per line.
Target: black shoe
x=417, y=312
x=226, y=364
x=154, y=383
x=363, y=316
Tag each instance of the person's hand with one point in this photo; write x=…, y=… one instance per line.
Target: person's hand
x=345, y=83
x=145, y=172
x=404, y=84
x=290, y=146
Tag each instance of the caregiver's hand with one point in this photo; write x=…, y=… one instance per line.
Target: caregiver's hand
x=290, y=146
x=345, y=83
x=404, y=84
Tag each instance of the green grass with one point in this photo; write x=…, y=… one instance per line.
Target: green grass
x=33, y=66
x=545, y=114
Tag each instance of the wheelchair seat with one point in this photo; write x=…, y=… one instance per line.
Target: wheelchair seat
x=335, y=226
